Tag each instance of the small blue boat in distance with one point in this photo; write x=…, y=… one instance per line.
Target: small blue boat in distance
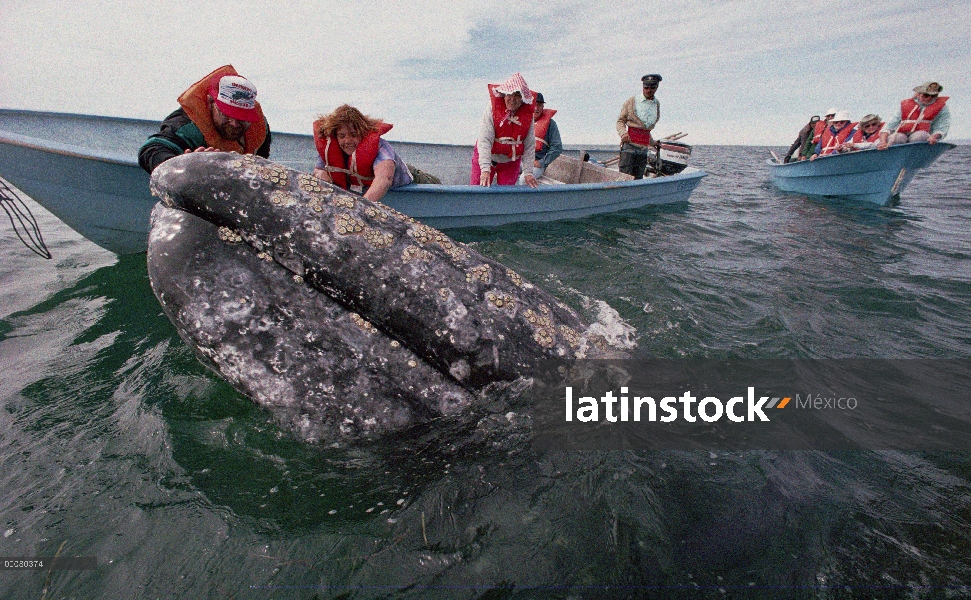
x=877, y=176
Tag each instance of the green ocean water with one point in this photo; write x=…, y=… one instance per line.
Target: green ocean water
x=115, y=442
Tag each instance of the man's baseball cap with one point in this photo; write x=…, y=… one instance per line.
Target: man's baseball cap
x=235, y=97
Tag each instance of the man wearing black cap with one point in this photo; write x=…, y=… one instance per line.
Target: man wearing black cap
x=637, y=118
x=548, y=142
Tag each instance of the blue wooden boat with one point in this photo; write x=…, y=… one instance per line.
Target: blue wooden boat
x=877, y=176
x=98, y=189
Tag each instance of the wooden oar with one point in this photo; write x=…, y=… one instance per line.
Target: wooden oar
x=775, y=157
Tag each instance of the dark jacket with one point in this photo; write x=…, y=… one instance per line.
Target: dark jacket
x=805, y=134
x=178, y=134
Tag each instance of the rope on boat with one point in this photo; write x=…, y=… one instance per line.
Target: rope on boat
x=23, y=221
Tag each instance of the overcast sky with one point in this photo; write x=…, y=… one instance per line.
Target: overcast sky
x=746, y=72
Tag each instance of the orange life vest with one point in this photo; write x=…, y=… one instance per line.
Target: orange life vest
x=356, y=170
x=193, y=102
x=541, y=126
x=511, y=132
x=831, y=142
x=818, y=132
x=914, y=117
x=859, y=136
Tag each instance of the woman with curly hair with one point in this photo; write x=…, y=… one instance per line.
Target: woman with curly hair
x=353, y=155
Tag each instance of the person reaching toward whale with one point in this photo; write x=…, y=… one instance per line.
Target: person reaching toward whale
x=353, y=155
x=218, y=112
x=507, y=139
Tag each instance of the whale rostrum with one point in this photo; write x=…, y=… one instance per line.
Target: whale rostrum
x=465, y=315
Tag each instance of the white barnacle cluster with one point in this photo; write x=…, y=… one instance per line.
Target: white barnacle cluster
x=363, y=323
x=481, y=273
x=343, y=201
x=228, y=235
x=571, y=336
x=309, y=183
x=500, y=300
x=274, y=173
x=376, y=213
x=543, y=331
x=317, y=201
x=348, y=225
x=281, y=198
x=425, y=235
x=394, y=213
x=413, y=253
x=378, y=239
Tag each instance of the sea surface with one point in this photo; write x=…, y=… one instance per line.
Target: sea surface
x=115, y=442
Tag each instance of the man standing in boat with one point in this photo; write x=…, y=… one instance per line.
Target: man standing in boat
x=218, y=113
x=922, y=118
x=637, y=118
x=548, y=142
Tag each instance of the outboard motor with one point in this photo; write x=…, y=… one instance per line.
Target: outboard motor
x=674, y=157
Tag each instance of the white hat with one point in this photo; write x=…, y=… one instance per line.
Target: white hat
x=843, y=115
x=831, y=111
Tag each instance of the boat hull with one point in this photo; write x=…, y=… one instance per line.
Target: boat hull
x=450, y=206
x=877, y=176
x=104, y=198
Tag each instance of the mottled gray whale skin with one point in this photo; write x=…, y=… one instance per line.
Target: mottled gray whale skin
x=464, y=314
x=323, y=372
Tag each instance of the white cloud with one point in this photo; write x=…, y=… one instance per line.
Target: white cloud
x=746, y=71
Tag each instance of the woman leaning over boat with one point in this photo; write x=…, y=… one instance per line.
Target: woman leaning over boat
x=353, y=155
x=506, y=139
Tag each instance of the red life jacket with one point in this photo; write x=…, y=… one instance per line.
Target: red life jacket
x=914, y=117
x=510, y=134
x=818, y=133
x=859, y=136
x=831, y=142
x=641, y=137
x=358, y=170
x=541, y=126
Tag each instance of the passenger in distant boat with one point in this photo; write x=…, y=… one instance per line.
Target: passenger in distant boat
x=810, y=146
x=866, y=136
x=922, y=118
x=839, y=131
x=637, y=118
x=353, y=155
x=506, y=136
x=803, y=140
x=548, y=143
x=218, y=113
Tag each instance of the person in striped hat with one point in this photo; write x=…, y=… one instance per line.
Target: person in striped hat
x=506, y=139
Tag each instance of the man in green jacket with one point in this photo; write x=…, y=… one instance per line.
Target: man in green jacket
x=218, y=113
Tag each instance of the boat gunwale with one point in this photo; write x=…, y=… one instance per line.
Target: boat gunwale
x=75, y=151
x=779, y=167
x=423, y=188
